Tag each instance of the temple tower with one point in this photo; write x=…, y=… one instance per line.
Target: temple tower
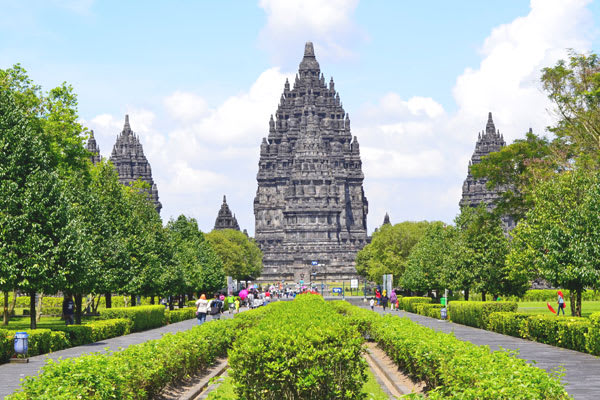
x=93, y=148
x=475, y=191
x=225, y=219
x=131, y=163
x=310, y=207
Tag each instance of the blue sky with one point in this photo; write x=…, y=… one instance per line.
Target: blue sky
x=201, y=78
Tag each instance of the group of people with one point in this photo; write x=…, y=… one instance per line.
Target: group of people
x=215, y=306
x=382, y=299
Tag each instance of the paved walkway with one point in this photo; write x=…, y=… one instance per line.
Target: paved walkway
x=582, y=379
x=11, y=374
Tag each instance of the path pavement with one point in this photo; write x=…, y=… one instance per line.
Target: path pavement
x=11, y=374
x=582, y=379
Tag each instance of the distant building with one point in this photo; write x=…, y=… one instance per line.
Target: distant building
x=131, y=163
x=310, y=207
x=225, y=219
x=386, y=220
x=93, y=148
x=475, y=191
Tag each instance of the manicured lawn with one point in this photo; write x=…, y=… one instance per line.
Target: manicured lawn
x=16, y=323
x=371, y=388
x=540, y=307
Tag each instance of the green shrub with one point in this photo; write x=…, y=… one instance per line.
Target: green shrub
x=142, y=317
x=476, y=313
x=567, y=332
x=138, y=372
x=409, y=303
x=302, y=349
x=96, y=331
x=180, y=314
x=507, y=323
x=552, y=296
x=429, y=310
x=458, y=369
x=592, y=345
x=41, y=341
x=47, y=310
x=6, y=346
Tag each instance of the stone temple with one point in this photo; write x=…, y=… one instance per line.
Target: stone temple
x=475, y=191
x=310, y=207
x=225, y=219
x=93, y=148
x=131, y=163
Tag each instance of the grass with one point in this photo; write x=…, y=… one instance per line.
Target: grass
x=17, y=323
x=540, y=307
x=371, y=388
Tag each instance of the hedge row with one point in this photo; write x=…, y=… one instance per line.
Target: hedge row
x=179, y=315
x=429, y=310
x=452, y=368
x=138, y=372
x=550, y=295
x=142, y=317
x=477, y=313
x=301, y=349
x=580, y=334
x=409, y=303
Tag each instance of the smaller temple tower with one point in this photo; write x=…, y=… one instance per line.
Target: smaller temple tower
x=225, y=219
x=93, y=148
x=131, y=163
x=386, y=220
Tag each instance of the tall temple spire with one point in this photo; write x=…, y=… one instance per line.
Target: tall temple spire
x=131, y=163
x=93, y=148
x=225, y=219
x=386, y=220
x=310, y=203
x=490, y=128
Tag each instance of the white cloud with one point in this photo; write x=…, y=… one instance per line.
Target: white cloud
x=329, y=24
x=186, y=106
x=382, y=163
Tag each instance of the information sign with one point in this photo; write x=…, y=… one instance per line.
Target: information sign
x=336, y=290
x=353, y=283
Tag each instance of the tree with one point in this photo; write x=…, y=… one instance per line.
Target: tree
x=428, y=258
x=389, y=250
x=242, y=259
x=559, y=237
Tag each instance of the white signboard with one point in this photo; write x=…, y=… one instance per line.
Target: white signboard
x=353, y=283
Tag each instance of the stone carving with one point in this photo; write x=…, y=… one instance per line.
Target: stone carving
x=310, y=203
x=225, y=219
x=93, y=148
x=131, y=163
x=475, y=191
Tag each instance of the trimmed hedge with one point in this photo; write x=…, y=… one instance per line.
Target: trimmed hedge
x=567, y=332
x=477, y=313
x=179, y=315
x=409, y=303
x=6, y=346
x=453, y=368
x=142, y=317
x=593, y=336
x=138, y=372
x=301, y=349
x=507, y=323
x=41, y=341
x=429, y=310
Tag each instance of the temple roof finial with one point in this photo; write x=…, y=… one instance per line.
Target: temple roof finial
x=224, y=199
x=309, y=50
x=490, y=127
x=309, y=62
x=126, y=127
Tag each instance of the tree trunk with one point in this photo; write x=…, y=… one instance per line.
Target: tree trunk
x=13, y=304
x=97, y=304
x=132, y=300
x=181, y=301
x=32, y=321
x=578, y=308
x=467, y=294
x=171, y=306
x=5, y=321
x=572, y=301
x=483, y=296
x=108, y=297
x=38, y=313
x=152, y=300
x=78, y=299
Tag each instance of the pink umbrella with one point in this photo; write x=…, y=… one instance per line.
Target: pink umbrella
x=243, y=294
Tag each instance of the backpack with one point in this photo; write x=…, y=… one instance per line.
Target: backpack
x=215, y=307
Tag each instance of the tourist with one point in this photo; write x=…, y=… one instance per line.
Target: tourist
x=68, y=307
x=378, y=296
x=230, y=303
x=393, y=300
x=561, y=304
x=372, y=303
x=384, y=300
x=215, y=307
x=201, y=309
x=237, y=306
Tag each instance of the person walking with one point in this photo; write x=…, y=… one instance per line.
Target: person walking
x=237, y=306
x=230, y=303
x=215, y=307
x=201, y=309
x=384, y=300
x=561, y=304
x=372, y=303
x=68, y=309
x=393, y=300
